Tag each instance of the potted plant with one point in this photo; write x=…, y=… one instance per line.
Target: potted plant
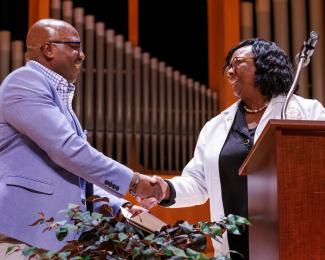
x=103, y=236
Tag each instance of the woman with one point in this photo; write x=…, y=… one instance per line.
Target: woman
x=260, y=74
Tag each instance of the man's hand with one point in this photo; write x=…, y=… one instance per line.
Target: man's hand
x=133, y=209
x=136, y=210
x=149, y=203
x=146, y=187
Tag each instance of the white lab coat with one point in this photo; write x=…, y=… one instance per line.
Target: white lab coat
x=200, y=178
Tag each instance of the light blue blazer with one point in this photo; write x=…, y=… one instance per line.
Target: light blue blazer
x=43, y=155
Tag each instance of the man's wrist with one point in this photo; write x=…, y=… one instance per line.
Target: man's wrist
x=134, y=183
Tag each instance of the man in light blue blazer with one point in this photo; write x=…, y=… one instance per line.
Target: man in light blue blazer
x=45, y=160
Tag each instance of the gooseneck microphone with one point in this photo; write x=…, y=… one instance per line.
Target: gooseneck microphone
x=307, y=49
x=302, y=59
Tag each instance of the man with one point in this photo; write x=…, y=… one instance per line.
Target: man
x=45, y=160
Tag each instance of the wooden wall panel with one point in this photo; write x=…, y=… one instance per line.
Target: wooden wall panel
x=38, y=9
x=134, y=22
x=223, y=34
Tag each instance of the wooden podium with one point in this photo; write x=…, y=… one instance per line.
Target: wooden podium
x=286, y=191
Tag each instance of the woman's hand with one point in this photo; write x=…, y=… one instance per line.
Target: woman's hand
x=151, y=202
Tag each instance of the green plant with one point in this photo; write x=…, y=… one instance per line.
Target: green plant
x=102, y=236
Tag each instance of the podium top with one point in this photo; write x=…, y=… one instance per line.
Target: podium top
x=265, y=140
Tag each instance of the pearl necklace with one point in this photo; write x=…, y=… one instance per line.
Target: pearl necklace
x=255, y=111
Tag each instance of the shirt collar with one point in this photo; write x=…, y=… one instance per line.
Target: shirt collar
x=55, y=79
x=64, y=88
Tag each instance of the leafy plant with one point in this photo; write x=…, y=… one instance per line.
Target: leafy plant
x=102, y=236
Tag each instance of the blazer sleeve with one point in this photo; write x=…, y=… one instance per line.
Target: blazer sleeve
x=30, y=108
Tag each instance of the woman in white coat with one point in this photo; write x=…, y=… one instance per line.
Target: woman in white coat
x=260, y=74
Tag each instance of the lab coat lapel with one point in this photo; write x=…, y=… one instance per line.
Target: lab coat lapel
x=229, y=116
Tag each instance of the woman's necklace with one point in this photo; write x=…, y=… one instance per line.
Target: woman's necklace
x=255, y=111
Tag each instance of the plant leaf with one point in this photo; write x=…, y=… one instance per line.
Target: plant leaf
x=119, y=227
x=49, y=254
x=96, y=198
x=105, y=210
x=12, y=249
x=61, y=223
x=192, y=253
x=29, y=251
x=50, y=220
x=150, y=237
x=122, y=236
x=73, y=206
x=39, y=221
x=186, y=227
x=64, y=255
x=61, y=233
x=176, y=251
x=96, y=215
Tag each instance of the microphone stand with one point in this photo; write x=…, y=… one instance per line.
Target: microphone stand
x=293, y=87
x=304, y=59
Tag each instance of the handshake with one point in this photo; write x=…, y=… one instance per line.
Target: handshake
x=149, y=191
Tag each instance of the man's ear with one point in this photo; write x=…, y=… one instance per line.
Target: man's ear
x=47, y=50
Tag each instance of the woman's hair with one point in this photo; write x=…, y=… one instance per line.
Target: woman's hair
x=274, y=72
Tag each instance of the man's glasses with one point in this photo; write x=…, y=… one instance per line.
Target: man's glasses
x=236, y=61
x=75, y=45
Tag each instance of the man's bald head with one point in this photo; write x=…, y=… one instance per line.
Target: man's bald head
x=43, y=31
x=56, y=45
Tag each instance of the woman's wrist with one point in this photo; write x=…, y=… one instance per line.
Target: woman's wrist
x=170, y=195
x=167, y=193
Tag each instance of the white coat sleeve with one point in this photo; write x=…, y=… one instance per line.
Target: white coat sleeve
x=191, y=187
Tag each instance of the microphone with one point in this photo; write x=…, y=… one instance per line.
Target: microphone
x=307, y=49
